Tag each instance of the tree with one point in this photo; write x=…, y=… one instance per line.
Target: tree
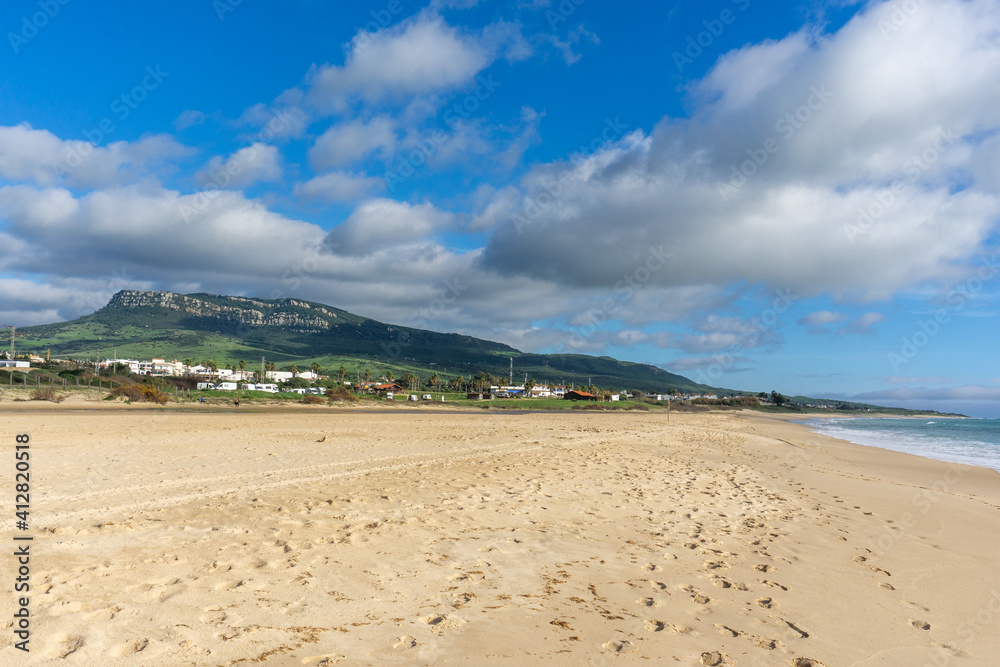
x=368, y=375
x=315, y=368
x=434, y=380
x=778, y=399
x=528, y=386
x=188, y=362
x=269, y=366
x=243, y=365
x=294, y=369
x=410, y=380
x=341, y=372
x=456, y=383
x=388, y=377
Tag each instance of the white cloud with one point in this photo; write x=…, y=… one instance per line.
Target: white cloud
x=864, y=325
x=249, y=165
x=380, y=223
x=347, y=143
x=283, y=120
x=35, y=156
x=819, y=321
x=876, y=102
x=339, y=186
x=188, y=119
x=420, y=56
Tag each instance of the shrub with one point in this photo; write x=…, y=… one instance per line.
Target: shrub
x=312, y=399
x=140, y=393
x=340, y=393
x=46, y=394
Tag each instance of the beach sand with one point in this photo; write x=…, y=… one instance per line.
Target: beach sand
x=319, y=537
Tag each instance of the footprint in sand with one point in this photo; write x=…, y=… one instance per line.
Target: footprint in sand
x=65, y=644
x=128, y=648
x=920, y=625
x=806, y=662
x=433, y=619
x=766, y=603
x=711, y=658
x=620, y=647
x=655, y=626
x=405, y=643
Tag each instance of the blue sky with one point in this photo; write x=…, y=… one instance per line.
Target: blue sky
x=796, y=196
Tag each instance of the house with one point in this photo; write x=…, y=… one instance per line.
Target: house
x=10, y=363
x=579, y=396
x=390, y=387
x=162, y=367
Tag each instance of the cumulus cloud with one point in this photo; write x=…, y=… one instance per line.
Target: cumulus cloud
x=347, y=143
x=339, y=186
x=379, y=223
x=247, y=166
x=35, y=156
x=790, y=144
x=819, y=321
x=421, y=56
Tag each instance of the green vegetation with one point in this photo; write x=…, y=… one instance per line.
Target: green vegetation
x=228, y=330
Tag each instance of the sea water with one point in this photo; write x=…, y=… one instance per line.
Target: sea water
x=971, y=441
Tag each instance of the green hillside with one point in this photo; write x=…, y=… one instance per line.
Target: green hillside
x=143, y=325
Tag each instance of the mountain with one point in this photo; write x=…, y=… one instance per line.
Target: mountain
x=227, y=329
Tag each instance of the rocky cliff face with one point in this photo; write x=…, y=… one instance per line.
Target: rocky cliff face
x=246, y=311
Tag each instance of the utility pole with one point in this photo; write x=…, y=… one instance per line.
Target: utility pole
x=262, y=372
x=510, y=380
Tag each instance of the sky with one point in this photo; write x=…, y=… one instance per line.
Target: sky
x=791, y=196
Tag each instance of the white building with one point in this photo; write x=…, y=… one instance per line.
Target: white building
x=283, y=376
x=10, y=363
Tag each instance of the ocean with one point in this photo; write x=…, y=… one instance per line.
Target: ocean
x=972, y=441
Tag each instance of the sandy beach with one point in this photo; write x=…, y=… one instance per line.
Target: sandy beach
x=320, y=537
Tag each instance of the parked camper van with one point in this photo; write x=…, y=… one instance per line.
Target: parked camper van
x=227, y=386
x=206, y=385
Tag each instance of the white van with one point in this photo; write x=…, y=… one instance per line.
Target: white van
x=227, y=386
x=206, y=385
x=270, y=388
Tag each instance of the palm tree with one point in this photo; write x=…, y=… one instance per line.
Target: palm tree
x=388, y=377
x=341, y=372
x=294, y=369
x=456, y=383
x=368, y=375
x=411, y=380
x=528, y=386
x=188, y=362
x=315, y=368
x=434, y=380
x=243, y=366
